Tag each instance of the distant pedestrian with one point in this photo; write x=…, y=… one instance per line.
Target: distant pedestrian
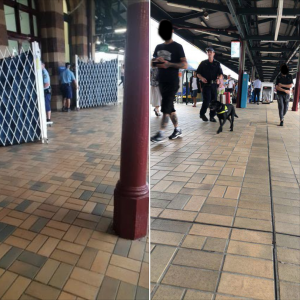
x=230, y=85
x=194, y=87
x=257, y=89
x=122, y=75
x=47, y=92
x=67, y=77
x=155, y=93
x=284, y=83
x=169, y=57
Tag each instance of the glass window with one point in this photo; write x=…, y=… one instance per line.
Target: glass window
x=33, y=4
x=13, y=46
x=25, y=46
x=10, y=18
x=23, y=2
x=24, y=22
x=35, y=29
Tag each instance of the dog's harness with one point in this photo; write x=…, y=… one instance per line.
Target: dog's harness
x=224, y=111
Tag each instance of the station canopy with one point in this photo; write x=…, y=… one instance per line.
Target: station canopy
x=271, y=29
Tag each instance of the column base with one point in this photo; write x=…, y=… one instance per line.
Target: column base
x=131, y=211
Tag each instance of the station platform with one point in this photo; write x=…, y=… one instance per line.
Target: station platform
x=226, y=208
x=56, y=209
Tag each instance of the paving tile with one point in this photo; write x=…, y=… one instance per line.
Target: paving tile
x=289, y=272
x=289, y=290
x=6, y=232
x=10, y=257
x=205, y=280
x=32, y=258
x=137, y=250
x=65, y=257
x=126, y=291
x=251, y=236
x=215, y=244
x=39, y=225
x=288, y=241
x=195, y=203
x=37, y=289
x=245, y=286
x=101, y=262
x=6, y=281
x=160, y=258
x=179, y=201
x=193, y=242
x=81, y=289
x=108, y=289
x=24, y=269
x=198, y=259
x=214, y=219
x=166, y=238
x=48, y=247
x=87, y=258
x=16, y=289
x=142, y=293
x=208, y=230
x=122, y=274
x=47, y=271
x=122, y=247
x=144, y=276
x=61, y=275
x=178, y=215
x=168, y=293
x=192, y=295
x=126, y=263
x=169, y=225
x=88, y=277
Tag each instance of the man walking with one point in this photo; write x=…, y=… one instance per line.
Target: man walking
x=256, y=91
x=47, y=92
x=67, y=77
x=169, y=57
x=209, y=72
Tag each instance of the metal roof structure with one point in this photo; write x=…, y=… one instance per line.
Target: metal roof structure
x=111, y=15
x=271, y=29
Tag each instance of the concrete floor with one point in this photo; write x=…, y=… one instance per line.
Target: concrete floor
x=226, y=208
x=56, y=208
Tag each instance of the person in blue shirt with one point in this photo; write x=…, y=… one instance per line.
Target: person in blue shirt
x=67, y=77
x=47, y=91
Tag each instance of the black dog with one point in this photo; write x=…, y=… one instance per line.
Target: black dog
x=224, y=112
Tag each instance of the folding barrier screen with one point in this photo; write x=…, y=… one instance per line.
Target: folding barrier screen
x=98, y=83
x=22, y=106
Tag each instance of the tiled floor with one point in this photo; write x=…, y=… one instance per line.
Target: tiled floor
x=56, y=207
x=213, y=198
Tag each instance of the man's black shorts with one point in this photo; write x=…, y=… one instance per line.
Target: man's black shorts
x=168, y=91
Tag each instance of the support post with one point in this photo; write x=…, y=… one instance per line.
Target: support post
x=77, y=78
x=131, y=196
x=297, y=87
x=241, y=72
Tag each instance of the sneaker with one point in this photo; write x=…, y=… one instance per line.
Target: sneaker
x=281, y=123
x=48, y=120
x=63, y=109
x=68, y=110
x=204, y=118
x=257, y=103
x=156, y=112
x=176, y=133
x=158, y=138
x=212, y=120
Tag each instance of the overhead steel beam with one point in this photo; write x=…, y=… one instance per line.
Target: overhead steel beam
x=261, y=21
x=271, y=50
x=201, y=4
x=267, y=11
x=233, y=12
x=271, y=38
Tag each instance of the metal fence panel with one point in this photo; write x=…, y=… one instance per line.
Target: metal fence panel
x=20, y=100
x=98, y=83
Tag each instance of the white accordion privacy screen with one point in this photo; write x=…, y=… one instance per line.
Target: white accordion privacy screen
x=98, y=83
x=20, y=110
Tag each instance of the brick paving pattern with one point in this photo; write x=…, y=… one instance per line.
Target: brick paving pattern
x=56, y=208
x=212, y=201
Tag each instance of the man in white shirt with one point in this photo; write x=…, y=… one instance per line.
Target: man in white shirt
x=257, y=87
x=230, y=84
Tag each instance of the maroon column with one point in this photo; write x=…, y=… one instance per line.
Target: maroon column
x=131, y=197
x=241, y=72
x=297, y=88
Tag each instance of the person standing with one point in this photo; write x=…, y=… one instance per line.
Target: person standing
x=47, y=92
x=122, y=75
x=155, y=93
x=256, y=91
x=209, y=72
x=67, y=77
x=230, y=85
x=284, y=83
x=194, y=87
x=169, y=57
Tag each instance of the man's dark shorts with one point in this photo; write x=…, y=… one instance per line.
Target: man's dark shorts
x=67, y=91
x=194, y=93
x=48, y=102
x=168, y=91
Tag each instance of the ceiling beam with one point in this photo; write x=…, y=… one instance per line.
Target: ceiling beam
x=202, y=5
x=267, y=11
x=271, y=38
x=270, y=50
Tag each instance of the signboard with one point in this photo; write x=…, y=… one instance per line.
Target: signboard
x=103, y=48
x=235, y=49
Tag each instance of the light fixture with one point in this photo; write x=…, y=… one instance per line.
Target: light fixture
x=120, y=30
x=203, y=24
x=273, y=41
x=185, y=6
x=226, y=54
x=275, y=16
x=111, y=47
x=269, y=52
x=121, y=50
x=210, y=33
x=278, y=20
